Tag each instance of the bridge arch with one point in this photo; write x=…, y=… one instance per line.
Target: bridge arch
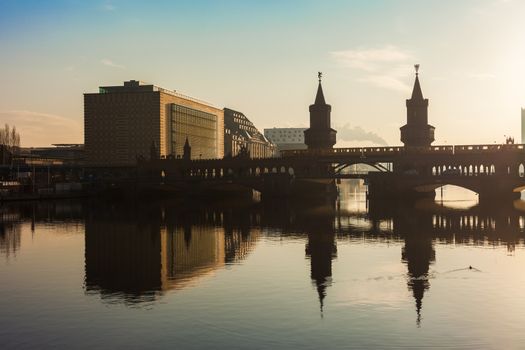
x=339, y=167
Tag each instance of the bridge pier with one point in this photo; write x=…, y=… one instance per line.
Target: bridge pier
x=289, y=186
x=396, y=186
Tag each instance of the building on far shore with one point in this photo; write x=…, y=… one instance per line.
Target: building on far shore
x=240, y=132
x=137, y=120
x=523, y=125
x=66, y=152
x=286, y=138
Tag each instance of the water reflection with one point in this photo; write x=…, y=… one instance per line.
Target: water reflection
x=136, y=252
x=139, y=251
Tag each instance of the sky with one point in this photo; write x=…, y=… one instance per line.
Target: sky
x=262, y=58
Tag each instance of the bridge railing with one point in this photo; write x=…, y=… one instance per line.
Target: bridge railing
x=488, y=148
x=378, y=151
x=364, y=151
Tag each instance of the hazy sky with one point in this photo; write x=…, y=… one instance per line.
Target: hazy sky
x=262, y=58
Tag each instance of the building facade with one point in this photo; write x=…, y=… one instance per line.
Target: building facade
x=239, y=133
x=125, y=123
x=286, y=138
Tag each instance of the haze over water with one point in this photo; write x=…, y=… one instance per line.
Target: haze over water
x=270, y=274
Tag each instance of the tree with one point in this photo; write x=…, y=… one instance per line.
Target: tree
x=10, y=138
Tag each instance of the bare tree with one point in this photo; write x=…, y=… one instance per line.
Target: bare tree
x=10, y=138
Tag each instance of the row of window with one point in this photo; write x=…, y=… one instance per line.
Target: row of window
x=200, y=128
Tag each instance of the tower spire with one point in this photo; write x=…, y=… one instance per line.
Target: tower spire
x=320, y=135
x=417, y=94
x=319, y=97
x=417, y=132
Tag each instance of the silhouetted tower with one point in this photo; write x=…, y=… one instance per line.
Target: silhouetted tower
x=187, y=150
x=417, y=132
x=320, y=135
x=153, y=151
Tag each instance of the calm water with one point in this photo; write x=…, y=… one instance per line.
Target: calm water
x=267, y=275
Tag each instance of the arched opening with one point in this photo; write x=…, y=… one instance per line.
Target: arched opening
x=521, y=170
x=290, y=171
x=481, y=169
x=470, y=170
x=456, y=197
x=257, y=171
x=492, y=169
x=283, y=170
x=434, y=171
x=274, y=170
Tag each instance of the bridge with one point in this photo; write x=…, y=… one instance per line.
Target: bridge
x=492, y=171
x=415, y=169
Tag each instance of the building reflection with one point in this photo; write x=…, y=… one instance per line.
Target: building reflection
x=135, y=254
x=137, y=251
x=14, y=215
x=10, y=237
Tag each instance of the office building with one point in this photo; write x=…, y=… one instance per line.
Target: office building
x=137, y=120
x=286, y=138
x=523, y=125
x=240, y=132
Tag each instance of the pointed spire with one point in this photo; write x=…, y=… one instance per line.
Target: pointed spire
x=319, y=98
x=416, y=92
x=187, y=150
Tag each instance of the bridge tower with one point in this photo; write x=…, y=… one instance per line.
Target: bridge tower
x=320, y=135
x=417, y=132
